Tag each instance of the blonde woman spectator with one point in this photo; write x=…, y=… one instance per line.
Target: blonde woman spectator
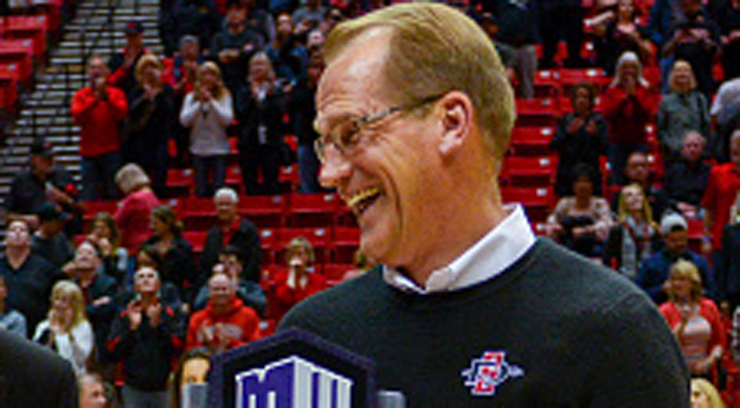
x=635, y=237
x=134, y=213
x=67, y=330
x=694, y=319
x=151, y=122
x=704, y=395
x=629, y=105
x=684, y=109
x=208, y=111
x=261, y=106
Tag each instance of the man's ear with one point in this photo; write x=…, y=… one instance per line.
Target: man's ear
x=456, y=118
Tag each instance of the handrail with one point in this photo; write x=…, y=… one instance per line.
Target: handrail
x=65, y=74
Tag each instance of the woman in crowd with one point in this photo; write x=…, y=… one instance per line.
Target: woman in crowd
x=178, y=266
x=682, y=110
x=151, y=123
x=134, y=214
x=619, y=32
x=581, y=137
x=694, y=319
x=67, y=330
x=208, y=111
x=298, y=282
x=635, y=237
x=91, y=390
x=704, y=395
x=629, y=105
x=106, y=237
x=582, y=221
x=261, y=106
x=189, y=377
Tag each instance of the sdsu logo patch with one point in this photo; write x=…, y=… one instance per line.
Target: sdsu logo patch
x=488, y=372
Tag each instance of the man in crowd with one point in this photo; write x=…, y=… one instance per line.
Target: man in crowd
x=43, y=182
x=685, y=180
x=49, y=240
x=250, y=292
x=234, y=46
x=99, y=109
x=146, y=336
x=123, y=63
x=226, y=322
x=654, y=271
x=235, y=230
x=416, y=113
x=637, y=170
x=28, y=277
x=87, y=270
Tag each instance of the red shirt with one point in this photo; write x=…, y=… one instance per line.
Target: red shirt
x=99, y=120
x=240, y=324
x=722, y=188
x=626, y=115
x=228, y=233
x=286, y=297
x=134, y=218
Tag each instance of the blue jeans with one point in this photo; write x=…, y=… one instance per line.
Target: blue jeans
x=308, y=169
x=98, y=174
x=133, y=398
x=210, y=173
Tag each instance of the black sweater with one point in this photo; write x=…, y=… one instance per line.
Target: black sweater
x=580, y=335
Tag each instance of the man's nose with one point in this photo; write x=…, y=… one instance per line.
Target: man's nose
x=335, y=167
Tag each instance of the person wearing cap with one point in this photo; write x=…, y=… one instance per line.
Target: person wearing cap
x=99, y=109
x=43, y=182
x=49, y=241
x=123, y=63
x=653, y=273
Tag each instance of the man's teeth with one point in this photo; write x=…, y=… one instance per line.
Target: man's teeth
x=362, y=195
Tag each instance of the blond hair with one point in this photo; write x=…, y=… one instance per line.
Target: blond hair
x=76, y=300
x=435, y=49
x=218, y=90
x=145, y=61
x=298, y=243
x=131, y=177
x=683, y=269
x=647, y=212
x=672, y=77
x=713, y=397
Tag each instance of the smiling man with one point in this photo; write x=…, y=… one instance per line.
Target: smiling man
x=467, y=307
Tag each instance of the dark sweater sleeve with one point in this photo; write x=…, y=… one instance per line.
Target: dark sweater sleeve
x=631, y=365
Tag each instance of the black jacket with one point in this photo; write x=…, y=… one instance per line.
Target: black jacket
x=246, y=238
x=34, y=376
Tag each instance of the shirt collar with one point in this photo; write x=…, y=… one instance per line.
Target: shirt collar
x=486, y=259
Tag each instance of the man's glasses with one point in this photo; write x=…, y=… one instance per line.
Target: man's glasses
x=347, y=134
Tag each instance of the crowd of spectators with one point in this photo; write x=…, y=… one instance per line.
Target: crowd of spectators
x=245, y=70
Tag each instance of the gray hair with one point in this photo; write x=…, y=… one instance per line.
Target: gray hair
x=188, y=39
x=226, y=192
x=130, y=177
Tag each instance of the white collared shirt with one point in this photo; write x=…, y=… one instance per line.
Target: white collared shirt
x=487, y=258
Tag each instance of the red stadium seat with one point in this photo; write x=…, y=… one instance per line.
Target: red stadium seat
x=199, y=214
x=529, y=171
x=537, y=201
x=528, y=141
x=179, y=182
x=264, y=211
x=312, y=210
x=345, y=244
x=536, y=112
x=197, y=239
